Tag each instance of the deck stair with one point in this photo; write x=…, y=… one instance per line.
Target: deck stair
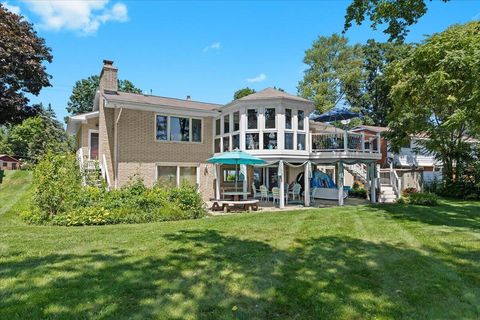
x=387, y=194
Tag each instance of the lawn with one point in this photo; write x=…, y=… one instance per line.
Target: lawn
x=363, y=262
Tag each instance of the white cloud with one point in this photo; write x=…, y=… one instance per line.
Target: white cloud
x=259, y=78
x=11, y=7
x=213, y=46
x=84, y=16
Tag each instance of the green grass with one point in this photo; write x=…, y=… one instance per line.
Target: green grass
x=364, y=262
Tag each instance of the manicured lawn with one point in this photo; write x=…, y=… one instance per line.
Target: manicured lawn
x=364, y=262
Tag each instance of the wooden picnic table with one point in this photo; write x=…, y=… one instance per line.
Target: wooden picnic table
x=247, y=205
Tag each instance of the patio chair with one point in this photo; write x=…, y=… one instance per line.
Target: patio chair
x=296, y=191
x=254, y=191
x=264, y=193
x=312, y=195
x=276, y=195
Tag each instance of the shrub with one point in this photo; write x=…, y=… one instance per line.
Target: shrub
x=357, y=191
x=56, y=182
x=409, y=191
x=420, y=198
x=96, y=215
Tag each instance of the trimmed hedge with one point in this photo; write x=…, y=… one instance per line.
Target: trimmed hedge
x=420, y=198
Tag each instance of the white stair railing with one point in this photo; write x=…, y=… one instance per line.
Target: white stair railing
x=359, y=170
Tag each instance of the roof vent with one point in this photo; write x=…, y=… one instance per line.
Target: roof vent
x=189, y=98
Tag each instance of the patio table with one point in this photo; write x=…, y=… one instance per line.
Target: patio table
x=236, y=194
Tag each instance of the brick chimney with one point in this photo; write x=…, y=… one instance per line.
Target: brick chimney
x=108, y=76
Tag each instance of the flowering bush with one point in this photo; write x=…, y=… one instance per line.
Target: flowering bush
x=408, y=191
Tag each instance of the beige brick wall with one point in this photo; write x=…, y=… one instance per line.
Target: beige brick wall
x=92, y=124
x=139, y=152
x=105, y=128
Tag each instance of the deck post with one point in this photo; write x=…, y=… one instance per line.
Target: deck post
x=373, y=184
x=363, y=141
x=243, y=170
x=306, y=189
x=345, y=141
x=281, y=184
x=217, y=181
x=340, y=176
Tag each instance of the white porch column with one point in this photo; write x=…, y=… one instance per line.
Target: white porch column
x=340, y=183
x=281, y=183
x=217, y=181
x=372, y=168
x=306, y=192
x=243, y=170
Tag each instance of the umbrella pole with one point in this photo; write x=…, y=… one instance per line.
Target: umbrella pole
x=236, y=174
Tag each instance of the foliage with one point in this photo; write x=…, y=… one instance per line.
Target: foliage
x=22, y=71
x=83, y=93
x=58, y=202
x=56, y=181
x=397, y=15
x=357, y=191
x=34, y=137
x=436, y=96
x=374, y=102
x=4, y=145
x=423, y=199
x=409, y=191
x=243, y=93
x=334, y=73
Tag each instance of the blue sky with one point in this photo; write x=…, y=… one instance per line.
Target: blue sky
x=205, y=49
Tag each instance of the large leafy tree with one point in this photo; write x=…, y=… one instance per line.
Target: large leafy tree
x=83, y=93
x=436, y=94
x=22, y=70
x=243, y=93
x=397, y=15
x=375, y=103
x=35, y=136
x=334, y=74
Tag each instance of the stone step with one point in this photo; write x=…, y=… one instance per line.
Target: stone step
x=388, y=196
x=387, y=201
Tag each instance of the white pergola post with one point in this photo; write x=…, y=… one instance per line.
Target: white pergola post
x=281, y=183
x=340, y=177
x=372, y=168
x=243, y=170
x=217, y=181
x=306, y=192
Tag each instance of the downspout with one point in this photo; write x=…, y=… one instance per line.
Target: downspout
x=115, y=143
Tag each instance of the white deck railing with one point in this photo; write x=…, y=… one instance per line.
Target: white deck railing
x=345, y=142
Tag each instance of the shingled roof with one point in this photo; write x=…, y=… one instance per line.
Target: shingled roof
x=117, y=96
x=271, y=93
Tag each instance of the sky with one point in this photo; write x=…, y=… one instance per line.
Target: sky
x=205, y=49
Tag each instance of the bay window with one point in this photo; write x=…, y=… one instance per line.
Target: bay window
x=270, y=140
x=235, y=141
x=288, y=118
x=252, y=119
x=288, y=140
x=301, y=120
x=269, y=118
x=300, y=141
x=226, y=123
x=236, y=121
x=252, y=141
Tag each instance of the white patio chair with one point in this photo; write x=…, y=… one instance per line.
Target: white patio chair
x=264, y=193
x=276, y=195
x=254, y=191
x=296, y=191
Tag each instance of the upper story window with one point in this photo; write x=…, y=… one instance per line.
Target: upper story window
x=288, y=118
x=174, y=128
x=236, y=121
x=252, y=119
x=301, y=120
x=226, y=123
x=269, y=118
x=217, y=127
x=179, y=129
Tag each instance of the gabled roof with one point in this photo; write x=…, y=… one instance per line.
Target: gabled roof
x=138, y=98
x=9, y=158
x=271, y=93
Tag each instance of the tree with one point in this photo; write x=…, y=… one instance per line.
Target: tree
x=435, y=91
x=35, y=136
x=334, y=73
x=375, y=103
x=243, y=93
x=398, y=15
x=83, y=93
x=22, y=70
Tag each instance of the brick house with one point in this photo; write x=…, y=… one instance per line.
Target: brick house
x=170, y=139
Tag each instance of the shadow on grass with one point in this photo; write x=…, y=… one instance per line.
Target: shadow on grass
x=209, y=275
x=452, y=214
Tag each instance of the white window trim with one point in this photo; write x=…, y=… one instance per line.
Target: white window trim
x=178, y=166
x=190, y=133
x=90, y=131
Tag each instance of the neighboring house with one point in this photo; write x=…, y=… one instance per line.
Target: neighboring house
x=9, y=163
x=170, y=139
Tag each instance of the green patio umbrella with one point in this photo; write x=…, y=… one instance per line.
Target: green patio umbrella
x=236, y=157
